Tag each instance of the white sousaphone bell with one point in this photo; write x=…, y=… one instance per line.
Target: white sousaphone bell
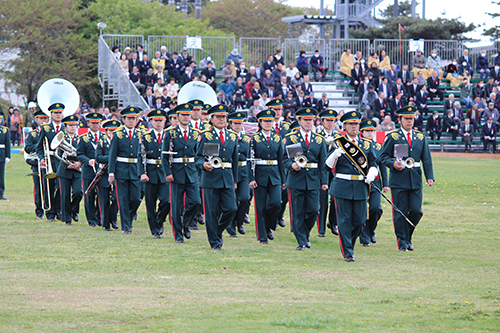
x=197, y=90
x=58, y=91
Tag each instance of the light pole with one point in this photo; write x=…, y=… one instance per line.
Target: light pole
x=101, y=26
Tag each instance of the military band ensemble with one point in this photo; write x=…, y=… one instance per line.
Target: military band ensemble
x=190, y=171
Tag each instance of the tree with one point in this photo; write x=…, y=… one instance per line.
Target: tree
x=493, y=32
x=49, y=41
x=404, y=9
x=250, y=18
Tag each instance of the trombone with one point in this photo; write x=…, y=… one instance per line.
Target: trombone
x=49, y=174
x=32, y=159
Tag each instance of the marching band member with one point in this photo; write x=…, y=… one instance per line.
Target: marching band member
x=108, y=206
x=87, y=145
x=38, y=180
x=153, y=174
x=218, y=184
x=242, y=190
x=181, y=173
x=306, y=182
x=367, y=132
x=4, y=154
x=172, y=117
x=267, y=175
x=123, y=163
x=70, y=175
x=349, y=187
x=47, y=133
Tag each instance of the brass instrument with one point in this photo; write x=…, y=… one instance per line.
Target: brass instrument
x=32, y=159
x=69, y=154
x=215, y=162
x=50, y=174
x=301, y=160
x=408, y=163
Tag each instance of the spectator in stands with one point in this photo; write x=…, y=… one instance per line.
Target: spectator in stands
x=116, y=52
x=228, y=71
x=433, y=86
x=253, y=111
x=368, y=101
x=124, y=63
x=290, y=104
x=357, y=57
x=221, y=98
x=209, y=72
x=172, y=88
x=419, y=63
x=239, y=94
x=384, y=63
x=310, y=101
x=380, y=107
x=398, y=87
x=228, y=88
x=204, y=62
x=256, y=93
x=495, y=73
x=296, y=80
x=374, y=70
x=149, y=98
x=128, y=53
x=158, y=105
x=467, y=131
x=323, y=103
x=465, y=64
x=165, y=99
x=188, y=75
x=421, y=78
x=363, y=65
x=243, y=72
x=306, y=86
x=133, y=62
x=278, y=58
x=145, y=65
x=259, y=71
x=452, y=73
x=404, y=75
x=386, y=125
x=489, y=133
x=263, y=100
x=184, y=55
x=277, y=73
x=476, y=111
x=385, y=87
x=434, y=125
x=149, y=78
x=392, y=75
x=491, y=112
x=301, y=99
x=267, y=80
x=158, y=88
x=272, y=93
x=157, y=61
x=346, y=63
x=413, y=89
x=137, y=80
x=421, y=100
x=160, y=74
x=492, y=98
x=302, y=63
x=363, y=88
x=466, y=93
x=457, y=110
x=248, y=88
x=269, y=64
x=482, y=65
x=291, y=71
x=448, y=104
x=478, y=90
x=15, y=126
x=235, y=57
x=434, y=63
x=317, y=64
x=176, y=67
x=191, y=63
x=418, y=123
x=451, y=124
x=356, y=76
x=164, y=54
x=373, y=59
x=140, y=52
x=396, y=103
x=488, y=87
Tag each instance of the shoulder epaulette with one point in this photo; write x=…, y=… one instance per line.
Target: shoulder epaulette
x=231, y=131
x=392, y=131
x=319, y=135
x=293, y=132
x=286, y=126
x=207, y=130
x=169, y=128
x=46, y=127
x=82, y=135
x=118, y=129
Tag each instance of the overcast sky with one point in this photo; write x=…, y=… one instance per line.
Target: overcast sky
x=468, y=11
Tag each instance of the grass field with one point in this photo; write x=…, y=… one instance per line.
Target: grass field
x=58, y=278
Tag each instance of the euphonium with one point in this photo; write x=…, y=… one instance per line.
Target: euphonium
x=409, y=163
x=69, y=154
x=215, y=162
x=301, y=160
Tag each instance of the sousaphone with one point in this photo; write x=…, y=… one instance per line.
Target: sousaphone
x=58, y=91
x=197, y=90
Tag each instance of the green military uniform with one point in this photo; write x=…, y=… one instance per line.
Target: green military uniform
x=219, y=199
x=86, y=152
x=406, y=184
x=70, y=180
x=156, y=188
x=4, y=154
x=242, y=190
x=123, y=165
x=351, y=191
x=306, y=183
x=108, y=206
x=374, y=199
x=323, y=196
x=269, y=175
x=185, y=189
x=294, y=127
x=30, y=147
x=47, y=133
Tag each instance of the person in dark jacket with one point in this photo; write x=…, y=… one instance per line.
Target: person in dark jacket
x=302, y=64
x=482, y=65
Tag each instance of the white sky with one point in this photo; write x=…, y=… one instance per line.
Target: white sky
x=468, y=11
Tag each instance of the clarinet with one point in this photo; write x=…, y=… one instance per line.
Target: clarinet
x=143, y=153
x=252, y=155
x=171, y=148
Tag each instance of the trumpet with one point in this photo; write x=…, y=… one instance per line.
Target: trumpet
x=408, y=163
x=69, y=155
x=215, y=162
x=301, y=160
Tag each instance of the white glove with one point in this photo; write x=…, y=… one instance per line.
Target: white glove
x=330, y=161
x=7, y=160
x=372, y=173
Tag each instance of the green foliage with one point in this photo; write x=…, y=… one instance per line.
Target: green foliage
x=250, y=18
x=493, y=32
x=404, y=9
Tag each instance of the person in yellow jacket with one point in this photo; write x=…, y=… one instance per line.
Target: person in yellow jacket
x=347, y=62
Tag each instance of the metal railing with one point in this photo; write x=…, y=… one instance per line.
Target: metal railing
x=122, y=41
x=337, y=46
x=292, y=47
x=255, y=49
x=114, y=81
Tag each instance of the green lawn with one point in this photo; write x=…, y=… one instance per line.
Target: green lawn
x=57, y=278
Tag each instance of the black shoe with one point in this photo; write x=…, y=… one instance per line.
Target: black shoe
x=58, y=216
x=99, y=224
x=281, y=222
x=156, y=236
x=39, y=217
x=270, y=235
x=374, y=239
x=187, y=233
x=217, y=248
x=194, y=228
x=328, y=225
x=201, y=220
x=135, y=217
x=403, y=250
x=126, y=232
x=321, y=235
x=68, y=223
x=264, y=242
x=300, y=248
x=247, y=219
x=233, y=235
x=74, y=217
x=114, y=224
x=410, y=247
x=180, y=241
x=92, y=225
x=308, y=244
x=241, y=229
x=4, y=198
x=366, y=244
x=349, y=259
x=335, y=230
x=51, y=219
x=107, y=229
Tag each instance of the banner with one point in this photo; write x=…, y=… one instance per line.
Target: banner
x=193, y=43
x=416, y=45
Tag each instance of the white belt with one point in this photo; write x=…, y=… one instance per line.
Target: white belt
x=266, y=162
x=2, y=146
x=242, y=163
x=183, y=160
x=349, y=177
x=225, y=165
x=126, y=160
x=416, y=165
x=311, y=166
x=153, y=161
